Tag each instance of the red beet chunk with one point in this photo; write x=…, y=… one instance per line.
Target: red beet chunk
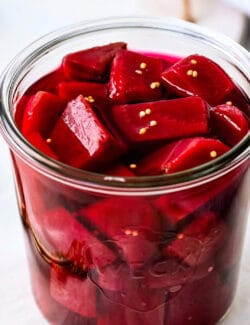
x=165, y=119
x=95, y=93
x=48, y=83
x=135, y=77
x=72, y=240
x=176, y=207
x=75, y=293
x=39, y=143
x=181, y=155
x=20, y=106
x=190, y=305
x=131, y=223
x=199, y=241
x=239, y=99
x=118, y=314
x=91, y=64
x=198, y=75
x=79, y=138
x=170, y=273
x=229, y=123
x=41, y=113
x=122, y=287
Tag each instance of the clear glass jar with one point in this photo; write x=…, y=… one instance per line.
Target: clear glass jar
x=139, y=268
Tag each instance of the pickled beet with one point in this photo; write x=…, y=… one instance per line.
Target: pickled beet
x=190, y=305
x=199, y=241
x=91, y=64
x=165, y=258
x=75, y=293
x=95, y=93
x=80, y=139
x=165, y=119
x=229, y=123
x=41, y=113
x=180, y=155
x=135, y=77
x=134, y=228
x=198, y=75
x=71, y=240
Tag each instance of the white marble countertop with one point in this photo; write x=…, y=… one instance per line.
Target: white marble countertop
x=22, y=21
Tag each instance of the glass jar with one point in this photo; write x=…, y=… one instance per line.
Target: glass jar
x=105, y=249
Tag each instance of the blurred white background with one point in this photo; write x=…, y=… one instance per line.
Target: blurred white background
x=21, y=22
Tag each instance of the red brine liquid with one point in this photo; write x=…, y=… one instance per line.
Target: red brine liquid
x=168, y=259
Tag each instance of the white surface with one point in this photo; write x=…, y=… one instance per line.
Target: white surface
x=22, y=21
x=243, y=5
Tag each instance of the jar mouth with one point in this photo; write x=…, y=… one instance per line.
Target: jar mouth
x=55, y=169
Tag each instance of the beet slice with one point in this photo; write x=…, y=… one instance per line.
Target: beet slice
x=73, y=241
x=75, y=293
x=91, y=64
x=229, y=123
x=199, y=241
x=131, y=223
x=41, y=113
x=181, y=155
x=198, y=75
x=135, y=77
x=165, y=119
x=80, y=139
x=95, y=93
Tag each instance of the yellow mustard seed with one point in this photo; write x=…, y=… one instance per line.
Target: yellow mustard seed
x=155, y=85
x=213, y=154
x=143, y=65
x=142, y=131
x=153, y=123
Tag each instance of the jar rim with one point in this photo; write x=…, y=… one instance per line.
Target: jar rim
x=96, y=181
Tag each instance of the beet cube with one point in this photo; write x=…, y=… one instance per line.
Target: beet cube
x=165, y=119
x=135, y=77
x=20, y=106
x=73, y=241
x=199, y=241
x=121, y=287
x=237, y=97
x=170, y=273
x=75, y=293
x=48, y=83
x=95, y=93
x=41, y=113
x=113, y=313
x=39, y=143
x=179, y=208
x=131, y=223
x=198, y=75
x=80, y=139
x=180, y=155
x=91, y=64
x=229, y=123
x=200, y=302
